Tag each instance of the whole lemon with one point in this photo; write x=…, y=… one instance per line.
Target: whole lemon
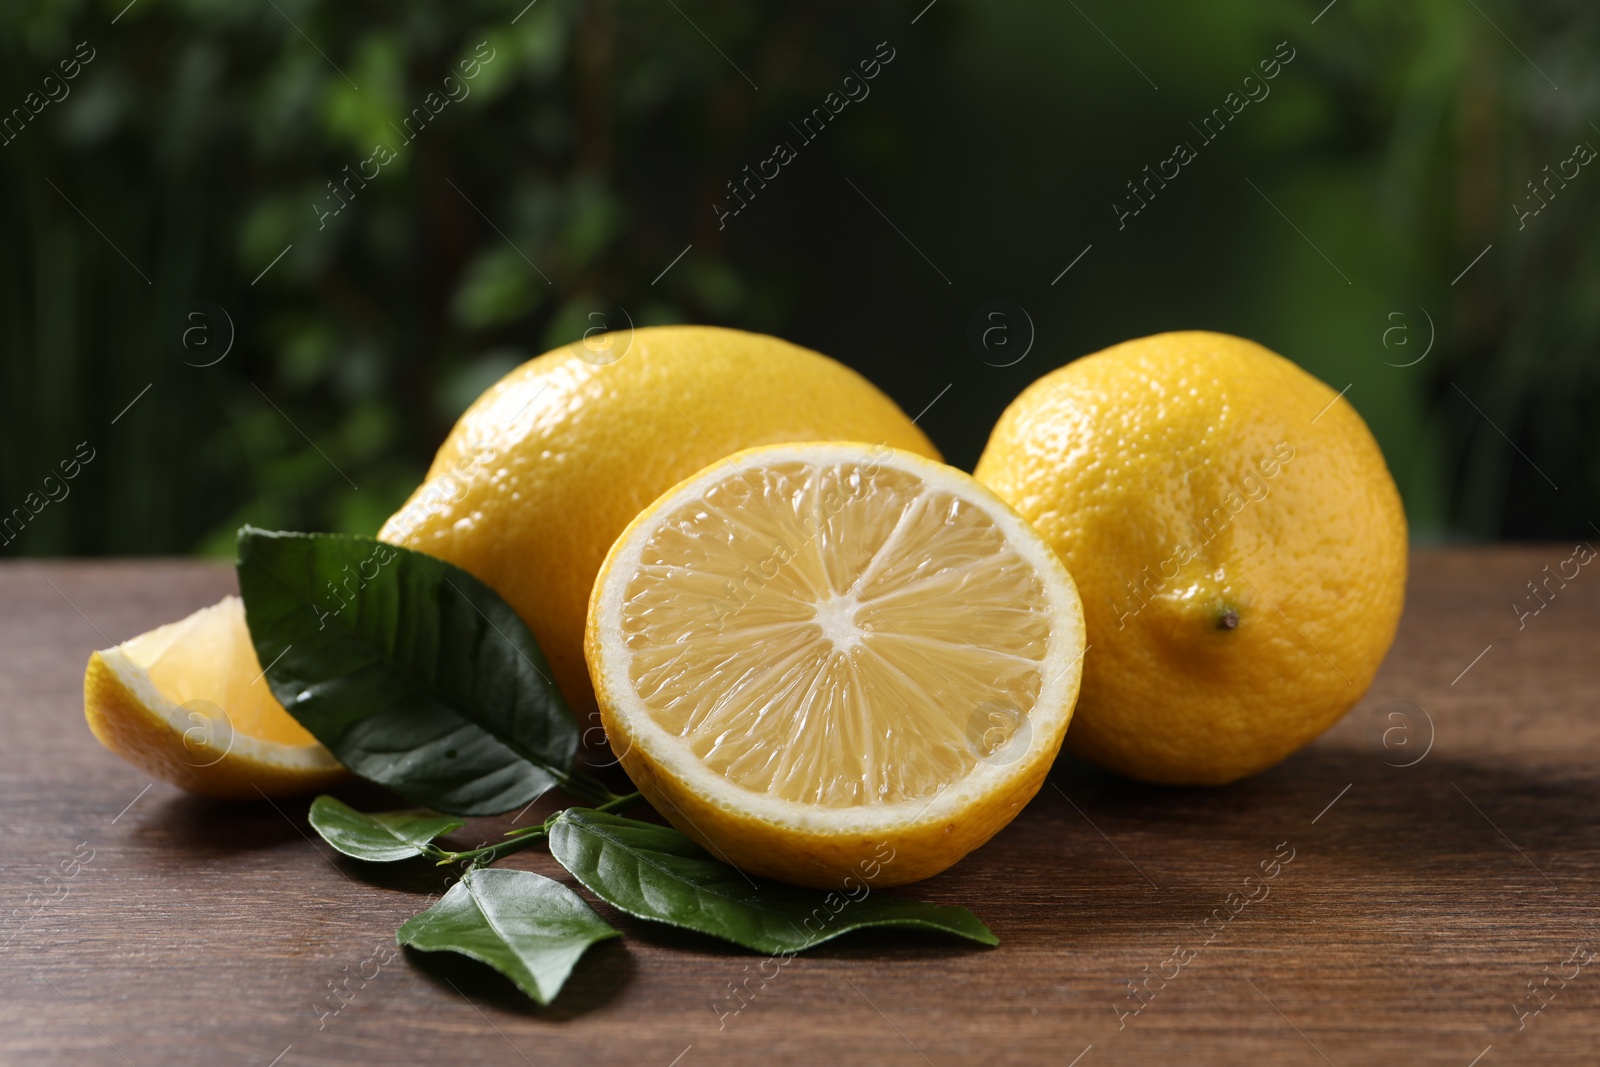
x=1238, y=542
x=549, y=465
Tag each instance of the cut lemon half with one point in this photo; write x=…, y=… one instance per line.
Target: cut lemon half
x=187, y=703
x=832, y=660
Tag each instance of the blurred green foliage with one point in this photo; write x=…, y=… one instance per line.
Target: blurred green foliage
x=1327, y=221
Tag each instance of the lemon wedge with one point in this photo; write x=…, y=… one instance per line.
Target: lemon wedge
x=188, y=703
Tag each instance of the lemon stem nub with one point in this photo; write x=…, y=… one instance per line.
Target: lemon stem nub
x=1228, y=620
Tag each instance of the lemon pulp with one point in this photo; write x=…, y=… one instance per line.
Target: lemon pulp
x=207, y=663
x=860, y=609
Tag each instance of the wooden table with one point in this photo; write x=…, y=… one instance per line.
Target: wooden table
x=1420, y=902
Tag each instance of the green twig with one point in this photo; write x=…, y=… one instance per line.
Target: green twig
x=616, y=802
x=585, y=787
x=521, y=837
x=490, y=853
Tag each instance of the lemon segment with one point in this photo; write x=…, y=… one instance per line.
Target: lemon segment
x=187, y=702
x=808, y=653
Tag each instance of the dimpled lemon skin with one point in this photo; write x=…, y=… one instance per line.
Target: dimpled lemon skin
x=547, y=468
x=1238, y=542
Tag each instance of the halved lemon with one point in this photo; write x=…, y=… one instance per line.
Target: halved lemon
x=832, y=660
x=187, y=703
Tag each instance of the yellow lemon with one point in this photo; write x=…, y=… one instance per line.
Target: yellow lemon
x=545, y=469
x=1237, y=539
x=186, y=702
x=834, y=660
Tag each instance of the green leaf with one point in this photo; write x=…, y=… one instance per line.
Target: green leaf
x=655, y=872
x=527, y=927
x=381, y=837
x=412, y=672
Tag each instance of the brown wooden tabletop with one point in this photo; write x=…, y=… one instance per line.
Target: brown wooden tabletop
x=1434, y=899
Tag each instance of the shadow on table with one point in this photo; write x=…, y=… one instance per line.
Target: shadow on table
x=598, y=977
x=205, y=828
x=1345, y=805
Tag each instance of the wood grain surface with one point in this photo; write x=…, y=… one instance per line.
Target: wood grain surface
x=1426, y=911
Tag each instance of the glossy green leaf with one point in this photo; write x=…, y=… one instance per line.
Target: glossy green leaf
x=655, y=872
x=381, y=837
x=412, y=672
x=527, y=927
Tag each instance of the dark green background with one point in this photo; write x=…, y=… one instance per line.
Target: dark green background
x=598, y=139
